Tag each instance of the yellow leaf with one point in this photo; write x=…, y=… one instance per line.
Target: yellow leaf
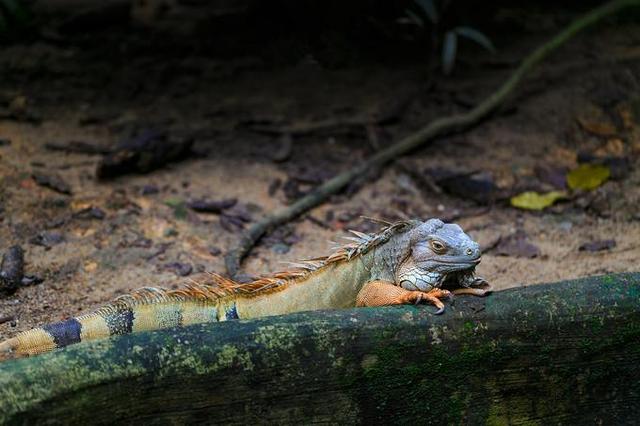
x=531, y=200
x=588, y=176
x=598, y=128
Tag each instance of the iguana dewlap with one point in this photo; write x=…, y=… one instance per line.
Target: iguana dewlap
x=407, y=262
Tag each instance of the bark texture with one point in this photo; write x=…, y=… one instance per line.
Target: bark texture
x=563, y=353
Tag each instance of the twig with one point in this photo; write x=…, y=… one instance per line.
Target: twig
x=427, y=185
x=445, y=125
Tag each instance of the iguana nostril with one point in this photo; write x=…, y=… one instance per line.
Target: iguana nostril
x=469, y=252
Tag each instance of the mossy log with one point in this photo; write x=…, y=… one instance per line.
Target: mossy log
x=564, y=353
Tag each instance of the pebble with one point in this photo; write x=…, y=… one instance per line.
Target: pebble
x=280, y=248
x=565, y=226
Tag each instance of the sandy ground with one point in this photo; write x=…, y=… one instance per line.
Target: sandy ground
x=143, y=233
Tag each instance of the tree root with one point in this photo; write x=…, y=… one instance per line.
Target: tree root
x=438, y=127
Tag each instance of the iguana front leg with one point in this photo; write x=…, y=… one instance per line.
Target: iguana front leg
x=384, y=293
x=475, y=286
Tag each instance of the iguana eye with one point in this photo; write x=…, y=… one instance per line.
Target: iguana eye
x=437, y=246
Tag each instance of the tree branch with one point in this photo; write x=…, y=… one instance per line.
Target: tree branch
x=560, y=353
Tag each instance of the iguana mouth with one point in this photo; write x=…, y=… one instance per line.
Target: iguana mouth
x=459, y=261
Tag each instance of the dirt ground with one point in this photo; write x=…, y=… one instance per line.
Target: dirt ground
x=141, y=233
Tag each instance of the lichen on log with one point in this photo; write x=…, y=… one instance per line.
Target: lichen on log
x=559, y=353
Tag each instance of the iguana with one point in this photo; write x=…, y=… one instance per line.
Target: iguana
x=407, y=262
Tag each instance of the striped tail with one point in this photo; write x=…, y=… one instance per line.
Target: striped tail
x=146, y=309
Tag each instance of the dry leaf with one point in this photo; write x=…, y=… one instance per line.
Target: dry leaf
x=614, y=147
x=598, y=129
x=595, y=121
x=562, y=157
x=531, y=200
x=90, y=266
x=588, y=176
x=626, y=115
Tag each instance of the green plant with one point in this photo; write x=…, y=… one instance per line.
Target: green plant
x=431, y=11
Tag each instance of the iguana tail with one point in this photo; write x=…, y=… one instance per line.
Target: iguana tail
x=145, y=309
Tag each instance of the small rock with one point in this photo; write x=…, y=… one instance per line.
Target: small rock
x=180, y=269
x=346, y=216
x=170, y=232
x=284, y=149
x=619, y=167
x=159, y=251
x=90, y=213
x=472, y=186
x=149, y=190
x=516, y=245
x=329, y=216
x=598, y=245
x=54, y=182
x=554, y=176
x=139, y=241
x=274, y=186
x=565, y=226
x=147, y=151
x=31, y=280
x=7, y=318
x=217, y=206
x=214, y=251
x=292, y=191
x=280, y=248
x=12, y=269
x=47, y=239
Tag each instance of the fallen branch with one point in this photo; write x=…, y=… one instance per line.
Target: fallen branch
x=439, y=127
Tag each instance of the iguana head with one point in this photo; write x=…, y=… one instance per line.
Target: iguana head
x=438, y=252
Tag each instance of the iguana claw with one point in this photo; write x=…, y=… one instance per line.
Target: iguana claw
x=433, y=297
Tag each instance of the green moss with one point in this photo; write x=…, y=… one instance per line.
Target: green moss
x=275, y=338
x=229, y=355
x=568, y=347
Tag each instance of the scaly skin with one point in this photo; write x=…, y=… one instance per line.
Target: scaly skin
x=407, y=262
